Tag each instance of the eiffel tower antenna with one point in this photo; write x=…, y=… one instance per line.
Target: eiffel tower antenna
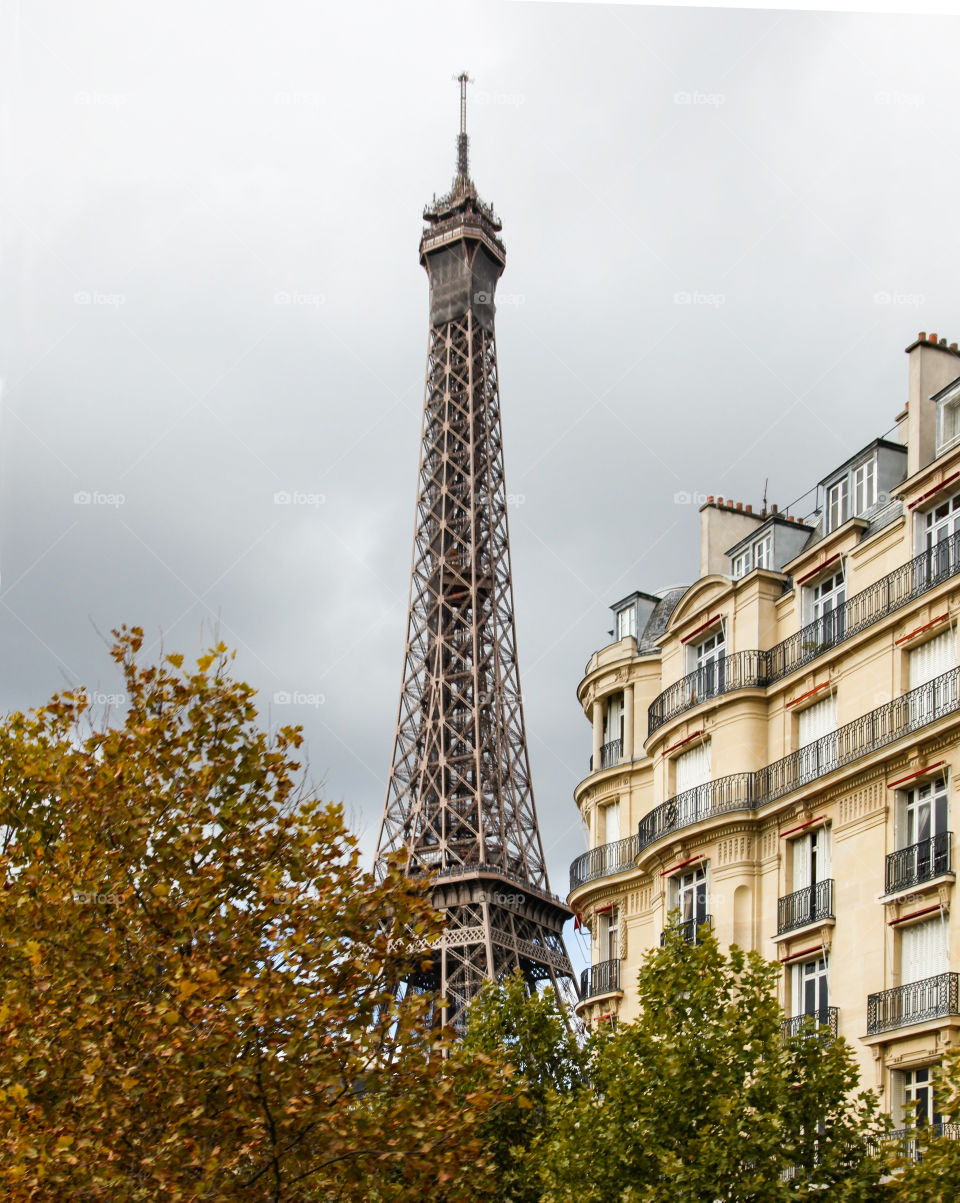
x=459, y=802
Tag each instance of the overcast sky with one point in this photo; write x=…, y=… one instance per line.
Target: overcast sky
x=722, y=229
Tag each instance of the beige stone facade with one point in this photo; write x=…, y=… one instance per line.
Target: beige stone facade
x=776, y=751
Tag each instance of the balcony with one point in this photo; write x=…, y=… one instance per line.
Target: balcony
x=610, y=753
x=750, y=669
x=848, y=744
x=919, y=862
x=812, y=904
x=602, y=978
x=738, y=671
x=916, y=1002
x=912, y=1140
x=603, y=861
x=822, y=1023
x=689, y=929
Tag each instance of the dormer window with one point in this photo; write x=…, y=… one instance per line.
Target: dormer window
x=864, y=486
x=948, y=420
x=763, y=552
x=838, y=503
x=627, y=622
x=757, y=555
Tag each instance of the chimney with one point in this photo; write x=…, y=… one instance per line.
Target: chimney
x=932, y=366
x=723, y=523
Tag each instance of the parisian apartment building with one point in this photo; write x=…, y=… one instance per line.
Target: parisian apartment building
x=776, y=752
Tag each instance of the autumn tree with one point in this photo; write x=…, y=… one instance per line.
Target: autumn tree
x=701, y=1099
x=197, y=973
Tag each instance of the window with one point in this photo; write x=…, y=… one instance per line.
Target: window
x=923, y=951
x=627, y=622
x=688, y=894
x=608, y=942
x=940, y=526
x=948, y=421
x=829, y=612
x=928, y=663
x=915, y=1102
x=923, y=841
x=865, y=486
x=811, y=988
x=838, y=503
x=811, y=858
x=708, y=664
x=817, y=739
x=742, y=564
x=693, y=784
x=924, y=812
x=612, y=748
x=610, y=823
x=763, y=552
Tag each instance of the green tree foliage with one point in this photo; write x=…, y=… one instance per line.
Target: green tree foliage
x=535, y=1046
x=701, y=1099
x=196, y=971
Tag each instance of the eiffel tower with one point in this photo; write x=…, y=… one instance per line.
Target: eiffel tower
x=459, y=803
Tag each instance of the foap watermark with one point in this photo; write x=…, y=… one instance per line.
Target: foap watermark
x=687, y=497
x=913, y=299
x=310, y=300
x=297, y=497
x=909, y=100
x=94, y=497
x=713, y=299
x=111, y=100
x=96, y=697
x=500, y=899
x=297, y=697
x=511, y=298
x=108, y=299
x=89, y=898
x=711, y=100
x=299, y=99
x=511, y=99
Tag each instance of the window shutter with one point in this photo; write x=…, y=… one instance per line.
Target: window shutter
x=932, y=659
x=923, y=951
x=817, y=721
x=693, y=767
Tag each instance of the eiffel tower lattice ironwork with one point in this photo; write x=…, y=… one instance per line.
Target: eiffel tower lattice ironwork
x=459, y=802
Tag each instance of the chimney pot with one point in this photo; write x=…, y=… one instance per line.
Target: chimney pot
x=739, y=505
x=933, y=338
x=943, y=342
x=749, y=509
x=774, y=510
x=953, y=346
x=719, y=501
x=710, y=499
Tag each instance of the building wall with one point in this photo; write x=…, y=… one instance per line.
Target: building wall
x=747, y=852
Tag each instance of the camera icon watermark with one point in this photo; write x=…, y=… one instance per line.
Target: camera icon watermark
x=311, y=300
x=296, y=497
x=88, y=497
x=85, y=297
x=286, y=697
x=706, y=99
x=912, y=299
x=688, y=497
x=712, y=299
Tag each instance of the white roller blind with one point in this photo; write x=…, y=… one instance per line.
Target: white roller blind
x=693, y=767
x=923, y=951
x=933, y=658
x=824, y=863
x=611, y=822
x=817, y=721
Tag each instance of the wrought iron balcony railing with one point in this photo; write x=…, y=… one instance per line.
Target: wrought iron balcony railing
x=610, y=753
x=846, y=745
x=911, y=1140
x=915, y=1002
x=602, y=978
x=812, y=904
x=604, y=861
x=919, y=862
x=690, y=929
x=743, y=670
x=821, y=1023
